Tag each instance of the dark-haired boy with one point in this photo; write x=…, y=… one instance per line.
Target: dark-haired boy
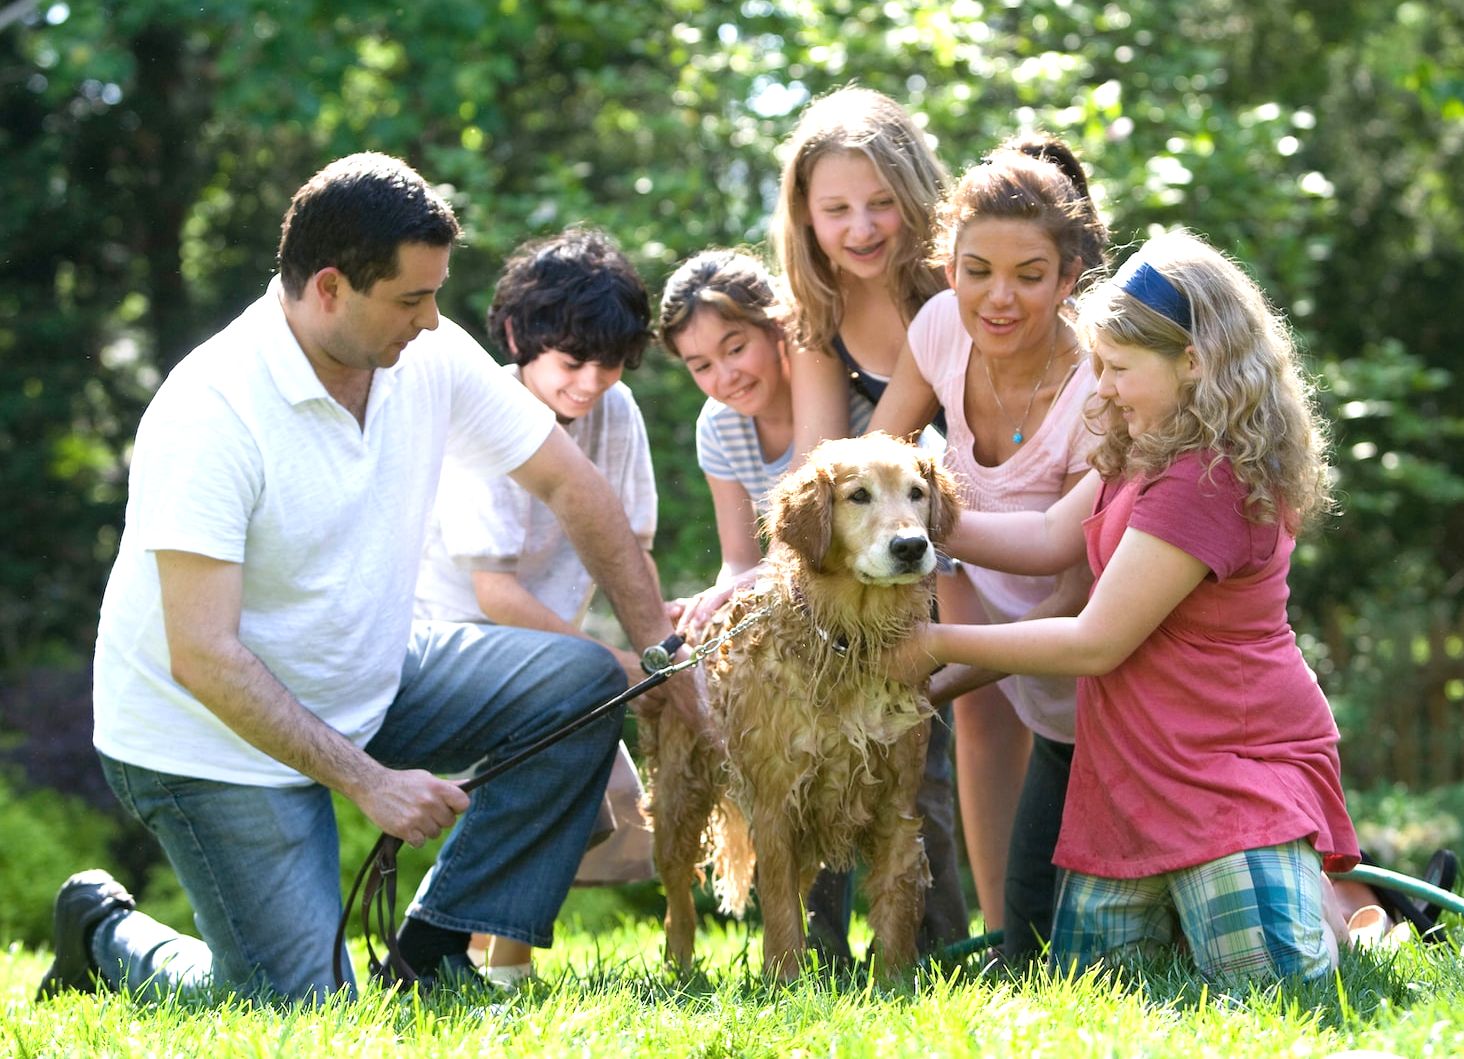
x=570, y=315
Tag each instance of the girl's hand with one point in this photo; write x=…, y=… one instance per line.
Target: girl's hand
x=956, y=679
x=910, y=662
x=699, y=609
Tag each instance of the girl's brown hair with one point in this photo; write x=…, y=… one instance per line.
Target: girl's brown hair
x=732, y=283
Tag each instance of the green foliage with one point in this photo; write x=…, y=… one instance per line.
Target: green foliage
x=1401, y=829
x=48, y=836
x=150, y=148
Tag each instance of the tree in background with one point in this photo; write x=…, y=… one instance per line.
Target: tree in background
x=147, y=150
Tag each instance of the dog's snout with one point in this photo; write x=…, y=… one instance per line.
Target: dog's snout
x=909, y=549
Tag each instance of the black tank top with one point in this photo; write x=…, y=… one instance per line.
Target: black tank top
x=870, y=388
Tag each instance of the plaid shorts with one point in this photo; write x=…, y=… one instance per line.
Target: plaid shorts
x=1256, y=913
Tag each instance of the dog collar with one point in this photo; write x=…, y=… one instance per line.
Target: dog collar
x=838, y=644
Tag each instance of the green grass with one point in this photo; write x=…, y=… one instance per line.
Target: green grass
x=605, y=994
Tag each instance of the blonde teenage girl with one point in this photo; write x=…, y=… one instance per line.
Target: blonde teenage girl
x=1017, y=235
x=1205, y=799
x=851, y=228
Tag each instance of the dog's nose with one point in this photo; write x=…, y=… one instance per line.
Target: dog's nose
x=909, y=549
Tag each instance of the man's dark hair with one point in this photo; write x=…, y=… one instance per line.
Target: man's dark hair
x=574, y=292
x=353, y=214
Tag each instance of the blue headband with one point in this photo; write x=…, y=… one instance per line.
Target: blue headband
x=1146, y=283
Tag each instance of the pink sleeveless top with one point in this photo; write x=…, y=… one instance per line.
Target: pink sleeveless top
x=1030, y=481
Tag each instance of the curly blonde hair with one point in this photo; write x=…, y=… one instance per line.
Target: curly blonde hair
x=1249, y=401
x=847, y=121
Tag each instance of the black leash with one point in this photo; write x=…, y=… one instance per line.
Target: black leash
x=376, y=880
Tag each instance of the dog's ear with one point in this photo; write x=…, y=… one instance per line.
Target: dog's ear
x=945, y=499
x=803, y=513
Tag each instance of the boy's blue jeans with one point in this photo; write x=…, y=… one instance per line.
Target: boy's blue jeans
x=261, y=865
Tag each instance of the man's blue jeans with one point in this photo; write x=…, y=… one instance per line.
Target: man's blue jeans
x=261, y=865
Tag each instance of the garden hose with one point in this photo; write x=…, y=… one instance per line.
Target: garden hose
x=1404, y=884
x=970, y=946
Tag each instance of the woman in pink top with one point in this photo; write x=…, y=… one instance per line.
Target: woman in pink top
x=1206, y=799
x=1018, y=234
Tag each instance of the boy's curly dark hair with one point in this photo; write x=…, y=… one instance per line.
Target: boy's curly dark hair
x=576, y=293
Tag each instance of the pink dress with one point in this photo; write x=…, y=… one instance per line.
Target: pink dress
x=1031, y=480
x=1213, y=736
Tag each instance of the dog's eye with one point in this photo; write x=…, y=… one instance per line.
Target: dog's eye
x=860, y=496
x=917, y=493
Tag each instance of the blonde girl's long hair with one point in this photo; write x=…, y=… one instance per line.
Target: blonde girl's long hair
x=1249, y=402
x=846, y=121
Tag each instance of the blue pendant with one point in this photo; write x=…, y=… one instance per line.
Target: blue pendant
x=1017, y=437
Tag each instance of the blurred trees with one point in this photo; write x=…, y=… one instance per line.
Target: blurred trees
x=148, y=148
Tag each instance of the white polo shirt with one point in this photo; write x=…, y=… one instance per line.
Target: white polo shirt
x=243, y=456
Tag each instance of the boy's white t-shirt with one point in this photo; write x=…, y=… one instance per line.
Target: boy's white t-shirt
x=243, y=456
x=494, y=524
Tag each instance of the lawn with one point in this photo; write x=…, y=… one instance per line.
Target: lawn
x=603, y=993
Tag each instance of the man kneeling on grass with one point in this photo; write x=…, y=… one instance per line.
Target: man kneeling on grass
x=257, y=650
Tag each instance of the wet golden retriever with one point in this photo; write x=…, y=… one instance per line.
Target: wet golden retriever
x=824, y=753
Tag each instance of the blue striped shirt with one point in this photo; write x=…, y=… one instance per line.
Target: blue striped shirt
x=727, y=447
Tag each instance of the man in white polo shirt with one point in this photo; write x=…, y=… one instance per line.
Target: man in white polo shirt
x=256, y=648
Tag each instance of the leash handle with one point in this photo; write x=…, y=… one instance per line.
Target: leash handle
x=376, y=880
x=658, y=656
x=376, y=883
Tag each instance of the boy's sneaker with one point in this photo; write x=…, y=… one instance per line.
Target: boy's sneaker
x=83, y=901
x=509, y=977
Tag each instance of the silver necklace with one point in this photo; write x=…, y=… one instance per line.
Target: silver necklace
x=1017, y=436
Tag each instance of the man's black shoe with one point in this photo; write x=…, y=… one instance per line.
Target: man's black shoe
x=83, y=901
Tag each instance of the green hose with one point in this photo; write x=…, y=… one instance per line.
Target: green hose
x=970, y=946
x=1404, y=884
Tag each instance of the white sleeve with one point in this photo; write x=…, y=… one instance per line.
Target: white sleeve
x=496, y=423
x=196, y=475
x=635, y=480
